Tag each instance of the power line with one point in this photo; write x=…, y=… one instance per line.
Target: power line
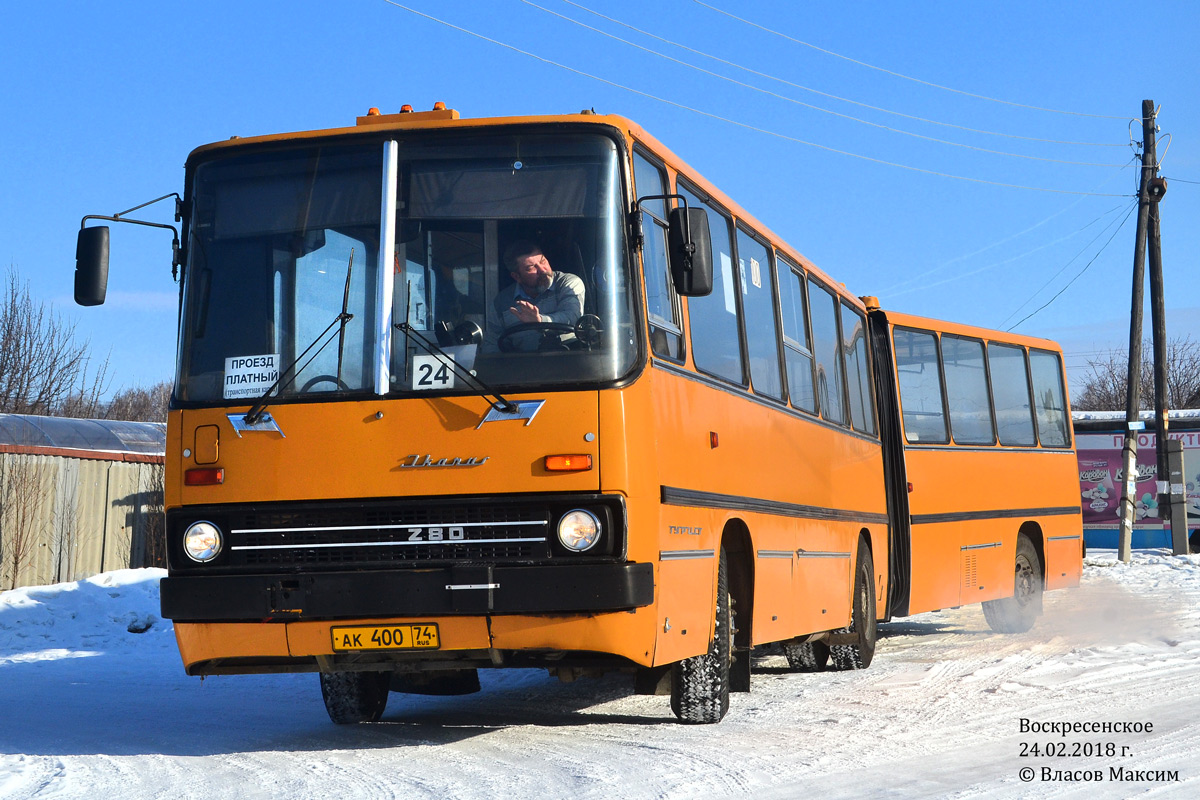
x=827, y=94
x=738, y=123
x=901, y=75
x=1052, y=278
x=809, y=105
x=914, y=278
x=1080, y=273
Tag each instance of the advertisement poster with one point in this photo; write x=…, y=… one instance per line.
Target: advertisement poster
x=1101, y=475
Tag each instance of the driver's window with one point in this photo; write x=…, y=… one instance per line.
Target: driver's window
x=666, y=338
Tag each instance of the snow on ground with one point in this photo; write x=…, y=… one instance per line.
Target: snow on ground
x=94, y=704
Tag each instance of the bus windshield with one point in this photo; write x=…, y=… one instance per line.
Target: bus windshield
x=285, y=268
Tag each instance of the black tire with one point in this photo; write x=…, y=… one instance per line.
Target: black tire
x=862, y=617
x=700, y=684
x=1017, y=614
x=807, y=657
x=352, y=697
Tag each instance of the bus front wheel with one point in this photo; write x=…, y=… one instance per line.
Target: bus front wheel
x=1016, y=614
x=700, y=684
x=861, y=632
x=352, y=697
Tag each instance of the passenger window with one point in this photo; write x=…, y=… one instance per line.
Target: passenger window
x=713, y=319
x=797, y=355
x=920, y=387
x=967, y=391
x=1010, y=390
x=858, y=374
x=1049, y=399
x=666, y=337
x=823, y=311
x=758, y=301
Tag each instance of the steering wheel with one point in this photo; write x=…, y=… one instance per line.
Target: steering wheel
x=589, y=330
x=505, y=344
x=334, y=379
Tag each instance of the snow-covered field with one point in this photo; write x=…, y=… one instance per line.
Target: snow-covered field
x=90, y=708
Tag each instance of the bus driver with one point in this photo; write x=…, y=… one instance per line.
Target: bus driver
x=538, y=294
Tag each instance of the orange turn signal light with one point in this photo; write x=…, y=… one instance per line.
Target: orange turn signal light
x=211, y=476
x=571, y=463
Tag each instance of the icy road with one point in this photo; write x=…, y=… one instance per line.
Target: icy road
x=89, y=709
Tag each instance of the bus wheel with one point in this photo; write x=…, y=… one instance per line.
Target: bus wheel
x=807, y=657
x=700, y=684
x=352, y=697
x=863, y=627
x=1016, y=614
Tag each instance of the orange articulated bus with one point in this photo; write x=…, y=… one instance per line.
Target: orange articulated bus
x=530, y=392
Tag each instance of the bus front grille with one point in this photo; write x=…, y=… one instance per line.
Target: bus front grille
x=334, y=538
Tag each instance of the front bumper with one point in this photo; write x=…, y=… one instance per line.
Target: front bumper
x=458, y=589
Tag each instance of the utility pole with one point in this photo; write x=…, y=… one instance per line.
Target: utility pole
x=1158, y=322
x=1132, y=397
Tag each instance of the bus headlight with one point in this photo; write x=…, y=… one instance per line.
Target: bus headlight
x=202, y=541
x=578, y=530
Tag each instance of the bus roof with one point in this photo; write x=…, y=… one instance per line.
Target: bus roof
x=928, y=323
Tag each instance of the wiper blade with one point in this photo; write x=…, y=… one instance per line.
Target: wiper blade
x=494, y=398
x=289, y=374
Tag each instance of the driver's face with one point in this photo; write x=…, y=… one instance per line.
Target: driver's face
x=533, y=272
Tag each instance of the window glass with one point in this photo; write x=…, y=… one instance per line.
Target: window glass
x=858, y=375
x=1010, y=388
x=920, y=387
x=713, y=318
x=823, y=307
x=665, y=336
x=758, y=300
x=1048, y=398
x=967, y=391
x=796, y=352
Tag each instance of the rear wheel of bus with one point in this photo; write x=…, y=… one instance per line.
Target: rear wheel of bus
x=1017, y=614
x=352, y=697
x=807, y=656
x=854, y=645
x=700, y=685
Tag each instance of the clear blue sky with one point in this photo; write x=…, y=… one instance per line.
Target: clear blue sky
x=103, y=102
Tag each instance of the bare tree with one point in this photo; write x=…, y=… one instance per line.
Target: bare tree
x=140, y=404
x=1104, y=388
x=22, y=489
x=42, y=363
x=154, y=520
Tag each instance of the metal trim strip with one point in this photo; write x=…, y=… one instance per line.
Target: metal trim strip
x=820, y=554
x=1003, y=513
x=683, y=555
x=671, y=495
x=390, y=527
x=405, y=543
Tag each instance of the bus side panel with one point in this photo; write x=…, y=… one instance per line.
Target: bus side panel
x=1064, y=552
x=631, y=447
x=965, y=523
x=786, y=480
x=825, y=573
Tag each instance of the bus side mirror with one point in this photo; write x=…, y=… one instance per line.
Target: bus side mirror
x=691, y=252
x=91, y=266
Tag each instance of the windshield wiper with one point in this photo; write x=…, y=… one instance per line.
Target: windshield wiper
x=500, y=403
x=256, y=411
